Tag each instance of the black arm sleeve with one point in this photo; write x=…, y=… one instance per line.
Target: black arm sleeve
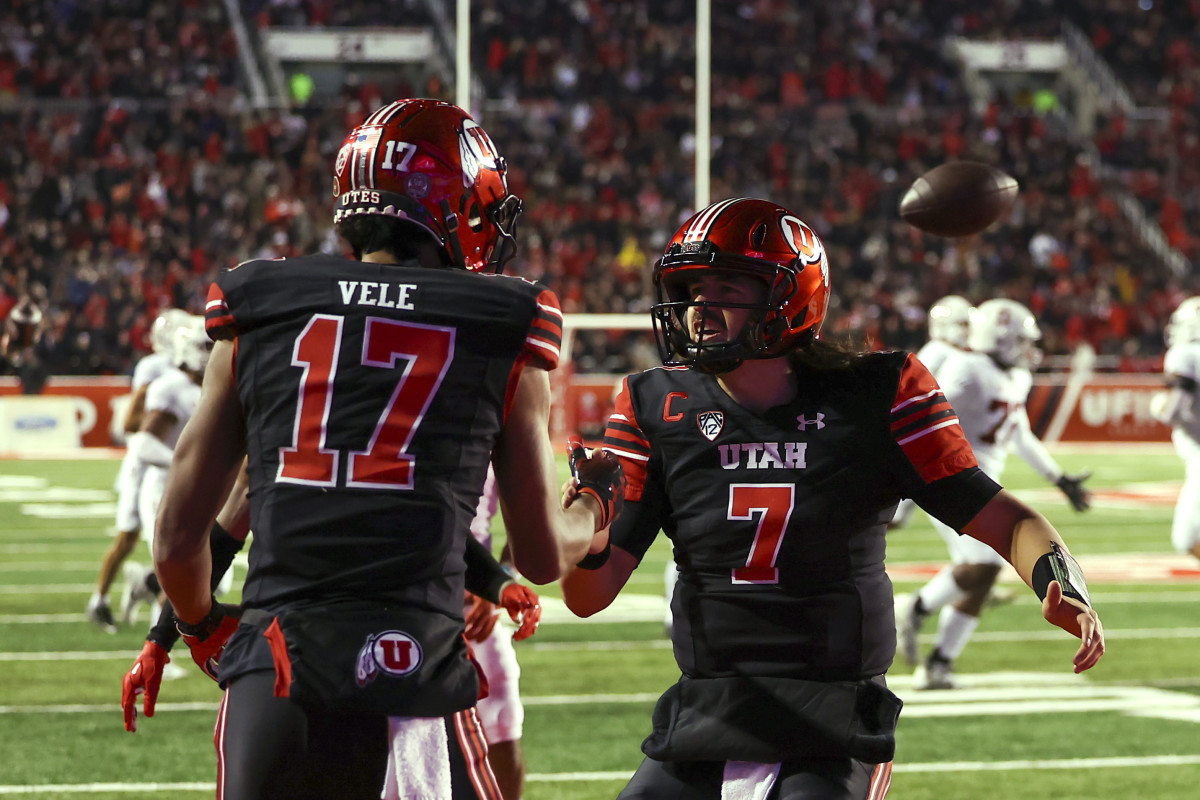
x=485, y=577
x=223, y=548
x=957, y=499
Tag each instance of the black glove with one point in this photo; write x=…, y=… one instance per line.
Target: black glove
x=601, y=476
x=1072, y=487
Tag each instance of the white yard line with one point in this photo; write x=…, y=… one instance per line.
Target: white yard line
x=621, y=775
x=1113, y=634
x=48, y=588
x=48, y=566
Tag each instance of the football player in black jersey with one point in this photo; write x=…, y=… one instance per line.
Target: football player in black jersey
x=773, y=460
x=370, y=396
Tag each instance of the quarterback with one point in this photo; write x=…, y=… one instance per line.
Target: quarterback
x=773, y=460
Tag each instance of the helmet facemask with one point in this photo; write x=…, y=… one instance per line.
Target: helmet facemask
x=761, y=329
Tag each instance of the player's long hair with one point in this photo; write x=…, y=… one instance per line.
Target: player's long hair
x=372, y=233
x=825, y=354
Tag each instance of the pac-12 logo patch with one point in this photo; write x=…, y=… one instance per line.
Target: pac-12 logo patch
x=392, y=652
x=710, y=423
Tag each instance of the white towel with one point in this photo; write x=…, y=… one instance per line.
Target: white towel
x=748, y=780
x=418, y=759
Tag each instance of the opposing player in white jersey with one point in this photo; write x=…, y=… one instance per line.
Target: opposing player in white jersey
x=1178, y=408
x=171, y=399
x=501, y=712
x=129, y=476
x=987, y=386
x=949, y=322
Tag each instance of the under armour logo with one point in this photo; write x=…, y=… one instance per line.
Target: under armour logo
x=802, y=422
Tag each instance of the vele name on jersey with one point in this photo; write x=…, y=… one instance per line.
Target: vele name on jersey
x=382, y=295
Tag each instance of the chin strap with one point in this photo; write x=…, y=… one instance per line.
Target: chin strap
x=450, y=220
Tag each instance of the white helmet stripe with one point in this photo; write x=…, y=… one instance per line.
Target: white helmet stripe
x=369, y=163
x=698, y=230
x=383, y=113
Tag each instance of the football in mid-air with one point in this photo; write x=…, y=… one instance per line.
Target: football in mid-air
x=958, y=198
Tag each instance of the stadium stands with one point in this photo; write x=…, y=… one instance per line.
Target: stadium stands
x=130, y=174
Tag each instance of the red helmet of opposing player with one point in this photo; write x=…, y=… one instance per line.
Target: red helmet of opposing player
x=747, y=237
x=428, y=163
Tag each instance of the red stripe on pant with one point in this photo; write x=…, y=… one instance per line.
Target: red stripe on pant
x=219, y=742
x=474, y=748
x=881, y=781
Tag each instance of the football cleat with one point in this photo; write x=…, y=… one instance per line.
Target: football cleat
x=136, y=590
x=99, y=613
x=936, y=673
x=908, y=626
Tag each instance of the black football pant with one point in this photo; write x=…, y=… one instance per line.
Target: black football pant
x=798, y=780
x=269, y=748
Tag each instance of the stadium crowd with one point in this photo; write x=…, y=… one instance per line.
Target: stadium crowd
x=140, y=171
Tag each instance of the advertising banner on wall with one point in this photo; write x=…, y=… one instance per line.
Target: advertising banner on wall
x=95, y=399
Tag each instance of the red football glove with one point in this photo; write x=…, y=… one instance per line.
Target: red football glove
x=480, y=616
x=143, y=677
x=523, y=607
x=600, y=475
x=206, y=639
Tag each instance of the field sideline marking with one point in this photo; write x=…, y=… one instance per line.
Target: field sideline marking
x=1113, y=634
x=621, y=775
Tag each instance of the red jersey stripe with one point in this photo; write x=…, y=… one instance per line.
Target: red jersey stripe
x=925, y=426
x=624, y=438
x=219, y=322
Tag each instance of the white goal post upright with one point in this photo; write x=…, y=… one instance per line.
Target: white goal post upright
x=575, y=395
x=703, y=165
x=462, y=55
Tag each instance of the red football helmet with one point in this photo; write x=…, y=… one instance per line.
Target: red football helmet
x=429, y=163
x=748, y=237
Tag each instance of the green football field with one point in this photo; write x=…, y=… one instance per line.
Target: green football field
x=1022, y=727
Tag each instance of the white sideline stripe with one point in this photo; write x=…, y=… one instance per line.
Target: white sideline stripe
x=621, y=775
x=95, y=788
x=48, y=588
x=1131, y=598
x=1113, y=634
x=105, y=708
x=47, y=566
x=663, y=644
x=1052, y=763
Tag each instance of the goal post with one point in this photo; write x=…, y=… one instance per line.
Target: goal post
x=582, y=398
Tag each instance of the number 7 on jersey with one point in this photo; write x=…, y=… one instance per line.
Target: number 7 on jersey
x=772, y=503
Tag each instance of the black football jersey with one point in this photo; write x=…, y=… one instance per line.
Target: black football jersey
x=373, y=395
x=778, y=518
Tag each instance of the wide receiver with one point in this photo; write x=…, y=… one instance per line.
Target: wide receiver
x=773, y=460
x=370, y=395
